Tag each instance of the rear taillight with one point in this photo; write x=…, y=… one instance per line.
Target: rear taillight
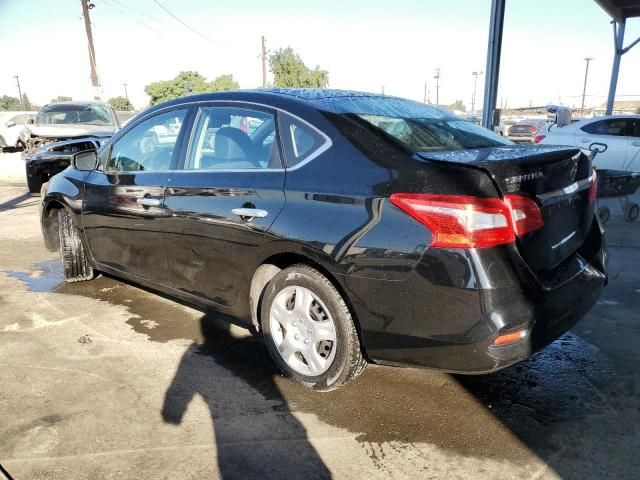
x=526, y=215
x=534, y=130
x=593, y=189
x=538, y=138
x=460, y=221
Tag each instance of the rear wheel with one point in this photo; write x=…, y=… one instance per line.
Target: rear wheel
x=631, y=212
x=309, y=330
x=77, y=267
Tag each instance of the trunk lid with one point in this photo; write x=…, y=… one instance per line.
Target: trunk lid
x=557, y=178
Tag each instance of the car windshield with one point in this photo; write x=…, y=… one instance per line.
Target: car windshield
x=88, y=114
x=416, y=126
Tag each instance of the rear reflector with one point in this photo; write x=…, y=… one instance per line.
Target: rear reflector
x=593, y=189
x=511, y=337
x=525, y=213
x=460, y=221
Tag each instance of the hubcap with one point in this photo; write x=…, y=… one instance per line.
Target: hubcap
x=303, y=330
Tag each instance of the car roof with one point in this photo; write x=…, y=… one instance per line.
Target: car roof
x=310, y=97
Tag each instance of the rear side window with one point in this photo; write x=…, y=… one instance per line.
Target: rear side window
x=233, y=138
x=301, y=141
x=614, y=127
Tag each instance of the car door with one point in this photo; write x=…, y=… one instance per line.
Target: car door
x=613, y=133
x=633, y=149
x=223, y=201
x=123, y=212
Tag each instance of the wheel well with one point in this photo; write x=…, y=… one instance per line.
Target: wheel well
x=270, y=268
x=50, y=226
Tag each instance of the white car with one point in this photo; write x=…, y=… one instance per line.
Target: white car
x=11, y=124
x=620, y=133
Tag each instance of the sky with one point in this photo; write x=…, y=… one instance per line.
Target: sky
x=364, y=45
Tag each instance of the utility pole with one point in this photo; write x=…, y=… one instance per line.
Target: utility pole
x=475, y=85
x=437, y=77
x=584, y=88
x=86, y=6
x=126, y=95
x=425, y=91
x=19, y=91
x=382, y=89
x=264, y=62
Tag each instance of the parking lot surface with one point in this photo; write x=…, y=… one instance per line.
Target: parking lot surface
x=106, y=380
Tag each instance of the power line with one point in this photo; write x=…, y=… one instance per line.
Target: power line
x=115, y=7
x=140, y=12
x=190, y=27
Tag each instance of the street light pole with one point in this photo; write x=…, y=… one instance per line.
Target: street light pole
x=475, y=85
x=126, y=95
x=437, y=77
x=584, y=88
x=19, y=91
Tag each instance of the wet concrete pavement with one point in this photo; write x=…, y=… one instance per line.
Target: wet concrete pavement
x=103, y=379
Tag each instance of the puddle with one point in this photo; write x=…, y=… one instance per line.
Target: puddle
x=44, y=277
x=158, y=318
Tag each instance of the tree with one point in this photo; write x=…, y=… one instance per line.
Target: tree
x=188, y=83
x=290, y=71
x=121, y=104
x=61, y=98
x=26, y=103
x=458, y=105
x=9, y=103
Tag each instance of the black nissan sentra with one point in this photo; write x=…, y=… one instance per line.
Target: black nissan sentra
x=345, y=227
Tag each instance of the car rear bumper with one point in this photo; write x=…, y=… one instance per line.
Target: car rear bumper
x=450, y=311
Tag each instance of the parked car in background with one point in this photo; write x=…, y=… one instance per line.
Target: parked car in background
x=528, y=131
x=61, y=129
x=504, y=126
x=345, y=227
x=620, y=134
x=11, y=125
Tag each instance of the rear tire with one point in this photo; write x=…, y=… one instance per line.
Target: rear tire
x=317, y=327
x=631, y=212
x=77, y=267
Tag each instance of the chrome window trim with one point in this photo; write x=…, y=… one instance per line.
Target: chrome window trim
x=328, y=143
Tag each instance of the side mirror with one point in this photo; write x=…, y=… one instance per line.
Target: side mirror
x=10, y=124
x=31, y=121
x=86, y=161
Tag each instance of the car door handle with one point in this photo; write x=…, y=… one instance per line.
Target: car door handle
x=585, y=140
x=250, y=213
x=149, y=201
x=635, y=144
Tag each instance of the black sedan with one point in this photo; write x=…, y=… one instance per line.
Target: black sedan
x=345, y=227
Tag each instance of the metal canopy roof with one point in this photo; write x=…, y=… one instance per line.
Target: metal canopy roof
x=620, y=10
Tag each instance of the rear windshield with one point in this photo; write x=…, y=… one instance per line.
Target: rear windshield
x=416, y=126
x=90, y=114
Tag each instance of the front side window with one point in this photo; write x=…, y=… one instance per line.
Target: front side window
x=233, y=138
x=81, y=114
x=616, y=128
x=148, y=146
